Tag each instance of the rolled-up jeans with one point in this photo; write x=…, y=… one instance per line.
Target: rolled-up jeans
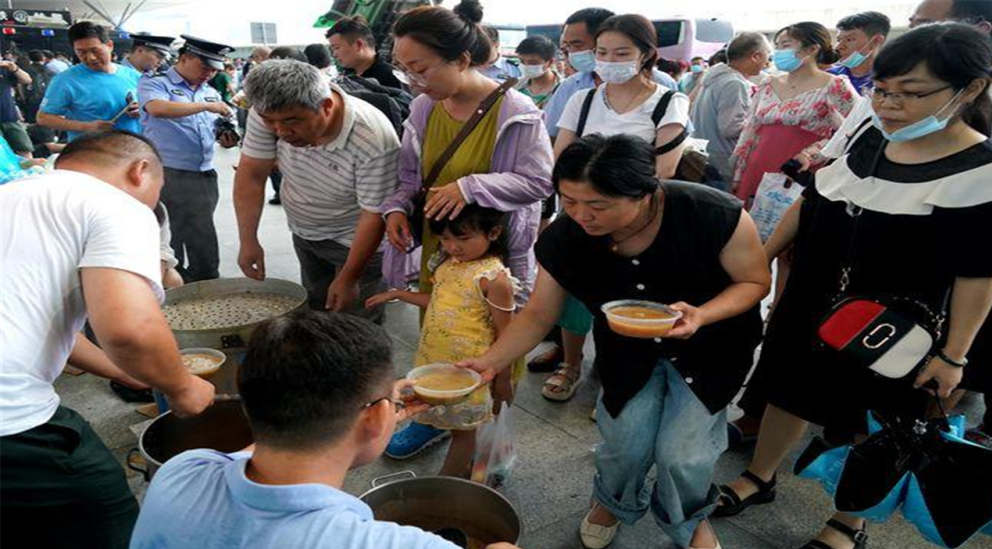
x=667, y=426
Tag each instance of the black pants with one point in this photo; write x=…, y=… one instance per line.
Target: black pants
x=276, y=178
x=319, y=263
x=61, y=488
x=191, y=198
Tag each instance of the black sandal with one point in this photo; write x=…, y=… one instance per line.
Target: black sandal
x=859, y=537
x=733, y=505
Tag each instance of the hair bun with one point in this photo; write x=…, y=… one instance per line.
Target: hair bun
x=470, y=11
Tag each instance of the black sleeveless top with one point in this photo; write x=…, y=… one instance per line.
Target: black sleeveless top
x=682, y=264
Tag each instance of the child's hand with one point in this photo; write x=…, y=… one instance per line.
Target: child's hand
x=380, y=299
x=502, y=389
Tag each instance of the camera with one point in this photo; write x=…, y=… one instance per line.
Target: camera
x=225, y=127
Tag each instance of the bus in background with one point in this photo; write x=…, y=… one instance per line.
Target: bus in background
x=510, y=36
x=678, y=37
x=684, y=38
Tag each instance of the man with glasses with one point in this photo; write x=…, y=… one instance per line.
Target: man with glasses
x=95, y=95
x=320, y=394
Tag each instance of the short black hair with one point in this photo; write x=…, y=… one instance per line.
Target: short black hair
x=288, y=52
x=718, y=58
x=869, y=22
x=476, y=219
x=87, y=29
x=307, y=376
x=541, y=46
x=971, y=11
x=621, y=166
x=36, y=56
x=956, y=53
x=318, y=55
x=48, y=53
x=592, y=17
x=352, y=28
x=115, y=146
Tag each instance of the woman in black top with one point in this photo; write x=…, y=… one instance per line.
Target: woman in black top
x=664, y=400
x=914, y=196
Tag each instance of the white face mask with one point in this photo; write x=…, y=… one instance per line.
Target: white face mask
x=532, y=71
x=617, y=72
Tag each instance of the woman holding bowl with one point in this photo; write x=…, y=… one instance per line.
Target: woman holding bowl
x=630, y=236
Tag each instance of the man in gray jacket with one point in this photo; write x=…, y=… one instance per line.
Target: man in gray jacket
x=720, y=110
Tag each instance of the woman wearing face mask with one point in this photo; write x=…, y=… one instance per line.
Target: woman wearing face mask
x=537, y=58
x=794, y=114
x=623, y=104
x=913, y=195
x=504, y=164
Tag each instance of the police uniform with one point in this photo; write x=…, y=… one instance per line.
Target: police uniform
x=187, y=148
x=161, y=44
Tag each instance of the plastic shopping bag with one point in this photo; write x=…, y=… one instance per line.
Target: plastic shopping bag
x=495, y=452
x=775, y=195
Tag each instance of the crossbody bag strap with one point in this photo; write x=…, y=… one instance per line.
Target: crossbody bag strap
x=856, y=212
x=580, y=128
x=657, y=114
x=484, y=107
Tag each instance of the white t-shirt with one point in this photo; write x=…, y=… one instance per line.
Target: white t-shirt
x=51, y=226
x=637, y=122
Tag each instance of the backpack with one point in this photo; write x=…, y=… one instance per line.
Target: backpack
x=35, y=91
x=693, y=167
x=393, y=102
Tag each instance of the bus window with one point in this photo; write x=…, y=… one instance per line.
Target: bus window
x=670, y=33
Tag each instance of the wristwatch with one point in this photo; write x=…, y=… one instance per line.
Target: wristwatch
x=943, y=356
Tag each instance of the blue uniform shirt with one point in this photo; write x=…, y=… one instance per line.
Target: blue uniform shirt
x=185, y=143
x=579, y=81
x=203, y=499
x=84, y=95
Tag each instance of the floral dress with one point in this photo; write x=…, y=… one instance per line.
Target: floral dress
x=458, y=325
x=777, y=130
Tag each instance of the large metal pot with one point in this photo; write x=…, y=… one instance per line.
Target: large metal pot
x=228, y=337
x=464, y=512
x=222, y=427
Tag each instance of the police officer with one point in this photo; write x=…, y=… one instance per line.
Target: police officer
x=180, y=114
x=148, y=53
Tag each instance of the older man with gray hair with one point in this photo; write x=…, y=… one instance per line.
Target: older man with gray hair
x=338, y=156
x=720, y=110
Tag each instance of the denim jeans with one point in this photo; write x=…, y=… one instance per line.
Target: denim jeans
x=666, y=426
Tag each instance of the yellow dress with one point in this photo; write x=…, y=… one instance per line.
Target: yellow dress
x=457, y=326
x=473, y=156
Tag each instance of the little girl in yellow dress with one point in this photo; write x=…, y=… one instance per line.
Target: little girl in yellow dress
x=471, y=302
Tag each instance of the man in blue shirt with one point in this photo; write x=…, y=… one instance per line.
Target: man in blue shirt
x=148, y=53
x=499, y=68
x=179, y=112
x=859, y=38
x=95, y=95
x=578, y=41
x=320, y=394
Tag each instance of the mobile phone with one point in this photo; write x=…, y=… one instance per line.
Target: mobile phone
x=791, y=169
x=128, y=99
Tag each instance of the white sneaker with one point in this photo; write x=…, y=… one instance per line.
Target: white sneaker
x=594, y=536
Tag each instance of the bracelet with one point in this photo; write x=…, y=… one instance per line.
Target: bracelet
x=943, y=356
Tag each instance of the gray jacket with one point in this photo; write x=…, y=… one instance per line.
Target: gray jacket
x=719, y=112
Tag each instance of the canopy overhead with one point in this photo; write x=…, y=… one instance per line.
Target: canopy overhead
x=110, y=12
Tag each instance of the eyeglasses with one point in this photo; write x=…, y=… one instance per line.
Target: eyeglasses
x=398, y=405
x=900, y=97
x=417, y=79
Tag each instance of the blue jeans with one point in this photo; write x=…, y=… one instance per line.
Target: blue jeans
x=664, y=425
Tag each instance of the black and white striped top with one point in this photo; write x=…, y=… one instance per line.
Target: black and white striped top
x=325, y=188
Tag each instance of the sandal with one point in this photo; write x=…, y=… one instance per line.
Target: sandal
x=859, y=537
x=547, y=361
x=733, y=505
x=566, y=379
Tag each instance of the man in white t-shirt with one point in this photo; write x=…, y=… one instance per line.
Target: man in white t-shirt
x=79, y=242
x=338, y=156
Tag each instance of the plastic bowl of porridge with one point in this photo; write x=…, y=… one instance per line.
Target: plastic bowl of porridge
x=640, y=319
x=203, y=362
x=443, y=384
